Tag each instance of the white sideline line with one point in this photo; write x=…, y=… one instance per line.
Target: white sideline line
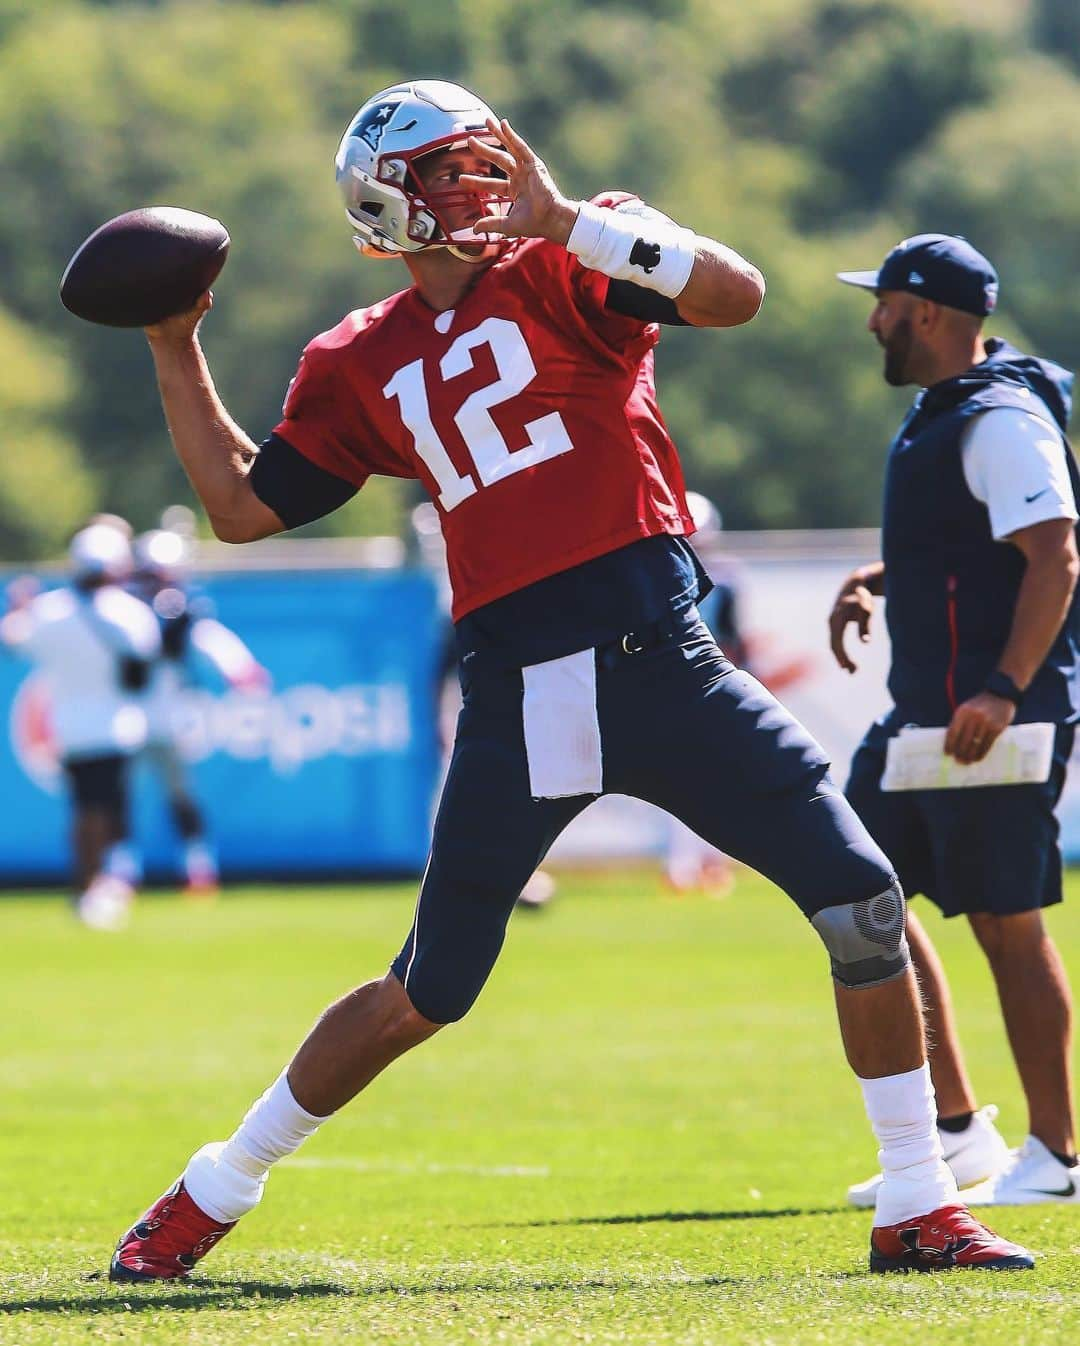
x=405, y=1166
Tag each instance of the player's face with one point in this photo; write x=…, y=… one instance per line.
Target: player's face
x=441, y=171
x=891, y=324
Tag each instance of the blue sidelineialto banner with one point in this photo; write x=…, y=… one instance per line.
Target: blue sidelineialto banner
x=329, y=772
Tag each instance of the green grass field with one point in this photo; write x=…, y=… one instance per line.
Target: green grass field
x=642, y=1134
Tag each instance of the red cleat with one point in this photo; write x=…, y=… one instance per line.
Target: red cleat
x=947, y=1237
x=168, y=1240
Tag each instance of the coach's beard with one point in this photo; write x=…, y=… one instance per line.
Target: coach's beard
x=897, y=350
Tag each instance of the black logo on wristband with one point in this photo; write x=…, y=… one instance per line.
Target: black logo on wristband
x=645, y=255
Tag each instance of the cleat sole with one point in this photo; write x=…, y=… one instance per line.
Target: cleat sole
x=912, y=1262
x=122, y=1275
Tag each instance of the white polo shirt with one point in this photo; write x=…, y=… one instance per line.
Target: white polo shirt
x=1014, y=462
x=78, y=641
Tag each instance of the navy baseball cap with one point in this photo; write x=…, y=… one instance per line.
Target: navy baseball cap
x=940, y=267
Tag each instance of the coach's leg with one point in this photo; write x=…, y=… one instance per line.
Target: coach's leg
x=1036, y=1003
x=952, y=1086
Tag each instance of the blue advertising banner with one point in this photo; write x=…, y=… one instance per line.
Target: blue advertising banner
x=329, y=771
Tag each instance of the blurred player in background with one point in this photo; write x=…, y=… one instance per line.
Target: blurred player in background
x=95, y=646
x=514, y=378
x=189, y=637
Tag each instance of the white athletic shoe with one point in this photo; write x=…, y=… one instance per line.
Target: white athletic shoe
x=106, y=904
x=975, y=1154
x=1032, y=1176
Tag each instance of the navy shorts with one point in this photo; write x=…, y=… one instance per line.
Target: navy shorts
x=991, y=849
x=680, y=727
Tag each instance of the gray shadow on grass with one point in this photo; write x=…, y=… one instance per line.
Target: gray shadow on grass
x=205, y=1293
x=195, y=1294
x=682, y=1216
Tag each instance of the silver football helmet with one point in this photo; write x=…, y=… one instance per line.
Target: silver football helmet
x=385, y=200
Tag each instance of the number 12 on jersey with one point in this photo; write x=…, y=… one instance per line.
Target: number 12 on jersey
x=493, y=460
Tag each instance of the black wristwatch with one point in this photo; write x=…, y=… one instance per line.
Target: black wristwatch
x=1000, y=684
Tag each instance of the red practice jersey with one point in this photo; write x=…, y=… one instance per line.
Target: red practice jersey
x=528, y=412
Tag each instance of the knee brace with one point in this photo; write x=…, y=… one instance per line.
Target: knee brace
x=865, y=940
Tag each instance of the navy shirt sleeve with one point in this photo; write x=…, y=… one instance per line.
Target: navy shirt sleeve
x=635, y=301
x=293, y=486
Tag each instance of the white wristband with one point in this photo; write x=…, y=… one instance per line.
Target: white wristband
x=654, y=253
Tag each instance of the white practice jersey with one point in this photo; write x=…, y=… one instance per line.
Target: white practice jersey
x=79, y=641
x=1014, y=462
x=210, y=644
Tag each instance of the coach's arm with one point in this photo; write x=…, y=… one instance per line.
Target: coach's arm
x=1042, y=604
x=216, y=454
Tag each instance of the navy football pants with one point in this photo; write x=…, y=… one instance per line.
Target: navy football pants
x=680, y=727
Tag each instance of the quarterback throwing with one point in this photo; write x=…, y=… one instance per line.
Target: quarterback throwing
x=514, y=380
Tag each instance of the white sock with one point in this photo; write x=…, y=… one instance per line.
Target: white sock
x=226, y=1179
x=904, y=1117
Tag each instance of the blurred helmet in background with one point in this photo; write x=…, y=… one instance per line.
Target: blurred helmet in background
x=376, y=161
x=162, y=555
x=100, y=553
x=116, y=521
x=706, y=516
x=179, y=519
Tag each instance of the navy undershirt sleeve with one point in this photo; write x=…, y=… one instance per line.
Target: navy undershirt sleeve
x=293, y=486
x=635, y=301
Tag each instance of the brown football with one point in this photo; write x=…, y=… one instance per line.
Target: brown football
x=144, y=266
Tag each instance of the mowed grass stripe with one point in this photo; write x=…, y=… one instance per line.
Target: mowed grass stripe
x=642, y=1134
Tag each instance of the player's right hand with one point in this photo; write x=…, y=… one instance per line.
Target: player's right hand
x=537, y=208
x=181, y=327
x=854, y=603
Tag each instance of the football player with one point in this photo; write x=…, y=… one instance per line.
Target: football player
x=514, y=379
x=94, y=646
x=190, y=638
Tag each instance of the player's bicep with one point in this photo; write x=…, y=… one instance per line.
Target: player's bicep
x=291, y=488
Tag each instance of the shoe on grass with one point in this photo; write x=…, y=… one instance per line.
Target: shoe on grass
x=1033, y=1176
x=947, y=1238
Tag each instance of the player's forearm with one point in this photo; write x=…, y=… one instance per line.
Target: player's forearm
x=1042, y=605
x=215, y=453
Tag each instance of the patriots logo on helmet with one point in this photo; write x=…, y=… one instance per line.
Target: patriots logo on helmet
x=373, y=123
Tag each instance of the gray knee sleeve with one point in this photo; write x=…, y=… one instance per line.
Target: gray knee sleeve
x=865, y=940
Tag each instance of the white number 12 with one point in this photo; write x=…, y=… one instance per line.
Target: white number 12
x=547, y=437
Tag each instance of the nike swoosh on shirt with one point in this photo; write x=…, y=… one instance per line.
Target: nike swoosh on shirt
x=1029, y=498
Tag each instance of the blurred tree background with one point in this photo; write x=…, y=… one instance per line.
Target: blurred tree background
x=810, y=134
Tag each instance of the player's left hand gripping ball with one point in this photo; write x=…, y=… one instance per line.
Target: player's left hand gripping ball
x=144, y=266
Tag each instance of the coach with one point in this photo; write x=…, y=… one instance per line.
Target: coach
x=979, y=569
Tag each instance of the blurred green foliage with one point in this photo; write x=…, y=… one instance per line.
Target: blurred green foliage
x=810, y=134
